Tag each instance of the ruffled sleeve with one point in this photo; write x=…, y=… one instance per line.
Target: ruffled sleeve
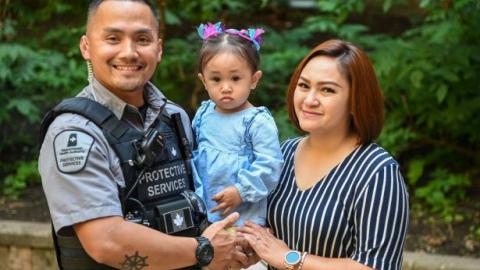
x=197, y=119
x=259, y=179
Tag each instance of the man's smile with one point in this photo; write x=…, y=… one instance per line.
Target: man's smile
x=128, y=67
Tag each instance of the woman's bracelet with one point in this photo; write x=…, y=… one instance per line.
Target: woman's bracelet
x=300, y=265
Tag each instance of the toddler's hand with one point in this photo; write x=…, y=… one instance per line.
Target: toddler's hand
x=227, y=200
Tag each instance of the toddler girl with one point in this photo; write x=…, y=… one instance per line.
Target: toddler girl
x=237, y=159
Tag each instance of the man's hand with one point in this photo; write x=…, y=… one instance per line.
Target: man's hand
x=223, y=242
x=244, y=256
x=227, y=200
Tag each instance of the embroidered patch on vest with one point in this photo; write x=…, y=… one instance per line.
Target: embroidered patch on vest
x=72, y=148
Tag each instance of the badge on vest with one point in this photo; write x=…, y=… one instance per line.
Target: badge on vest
x=72, y=148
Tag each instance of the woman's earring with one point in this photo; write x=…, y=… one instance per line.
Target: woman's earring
x=90, y=72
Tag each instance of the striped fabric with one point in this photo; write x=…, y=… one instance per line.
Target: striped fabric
x=359, y=210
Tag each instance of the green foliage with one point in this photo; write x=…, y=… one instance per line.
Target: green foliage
x=280, y=55
x=474, y=232
x=36, y=71
x=29, y=81
x=25, y=72
x=430, y=78
x=443, y=192
x=284, y=126
x=341, y=9
x=176, y=73
x=26, y=173
x=415, y=171
x=428, y=70
x=205, y=10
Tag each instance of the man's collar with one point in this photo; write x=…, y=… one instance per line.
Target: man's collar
x=152, y=95
x=103, y=96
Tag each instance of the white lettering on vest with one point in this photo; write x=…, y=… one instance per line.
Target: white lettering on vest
x=163, y=188
x=163, y=173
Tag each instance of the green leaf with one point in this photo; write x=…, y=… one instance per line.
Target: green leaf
x=171, y=18
x=424, y=3
x=416, y=78
x=15, y=184
x=25, y=107
x=415, y=171
x=327, y=6
x=351, y=31
x=448, y=218
x=387, y=4
x=442, y=92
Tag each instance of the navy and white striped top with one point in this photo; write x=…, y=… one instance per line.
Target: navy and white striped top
x=359, y=210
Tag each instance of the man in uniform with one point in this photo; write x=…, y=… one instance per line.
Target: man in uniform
x=81, y=173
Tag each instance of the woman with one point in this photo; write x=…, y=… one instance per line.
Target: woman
x=341, y=202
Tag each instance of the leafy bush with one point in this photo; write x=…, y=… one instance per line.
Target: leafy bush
x=443, y=192
x=427, y=67
x=26, y=173
x=38, y=67
x=430, y=79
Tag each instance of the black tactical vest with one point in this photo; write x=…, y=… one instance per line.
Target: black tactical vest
x=157, y=173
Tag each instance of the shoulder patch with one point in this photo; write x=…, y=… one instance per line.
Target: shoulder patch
x=72, y=148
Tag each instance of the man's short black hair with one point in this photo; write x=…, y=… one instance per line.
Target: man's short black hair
x=95, y=3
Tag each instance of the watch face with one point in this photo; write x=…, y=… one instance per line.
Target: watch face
x=293, y=257
x=204, y=251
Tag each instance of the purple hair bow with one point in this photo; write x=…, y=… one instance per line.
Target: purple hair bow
x=253, y=35
x=205, y=31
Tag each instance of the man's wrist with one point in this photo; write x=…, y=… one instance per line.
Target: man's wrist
x=204, y=251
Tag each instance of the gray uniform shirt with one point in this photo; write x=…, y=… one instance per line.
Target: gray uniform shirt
x=79, y=170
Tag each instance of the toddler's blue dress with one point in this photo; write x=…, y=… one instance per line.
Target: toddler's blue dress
x=238, y=149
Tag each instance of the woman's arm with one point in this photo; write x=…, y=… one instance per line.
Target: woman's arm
x=316, y=262
x=273, y=250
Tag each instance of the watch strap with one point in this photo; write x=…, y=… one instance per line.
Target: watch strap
x=300, y=265
x=203, y=242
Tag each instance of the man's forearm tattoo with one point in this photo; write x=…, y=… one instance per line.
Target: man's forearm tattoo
x=134, y=262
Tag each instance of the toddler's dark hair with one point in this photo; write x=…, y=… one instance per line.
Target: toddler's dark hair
x=226, y=42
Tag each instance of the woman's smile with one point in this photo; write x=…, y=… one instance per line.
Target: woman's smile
x=308, y=113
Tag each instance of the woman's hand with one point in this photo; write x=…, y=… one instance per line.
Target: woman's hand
x=244, y=256
x=264, y=243
x=227, y=200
